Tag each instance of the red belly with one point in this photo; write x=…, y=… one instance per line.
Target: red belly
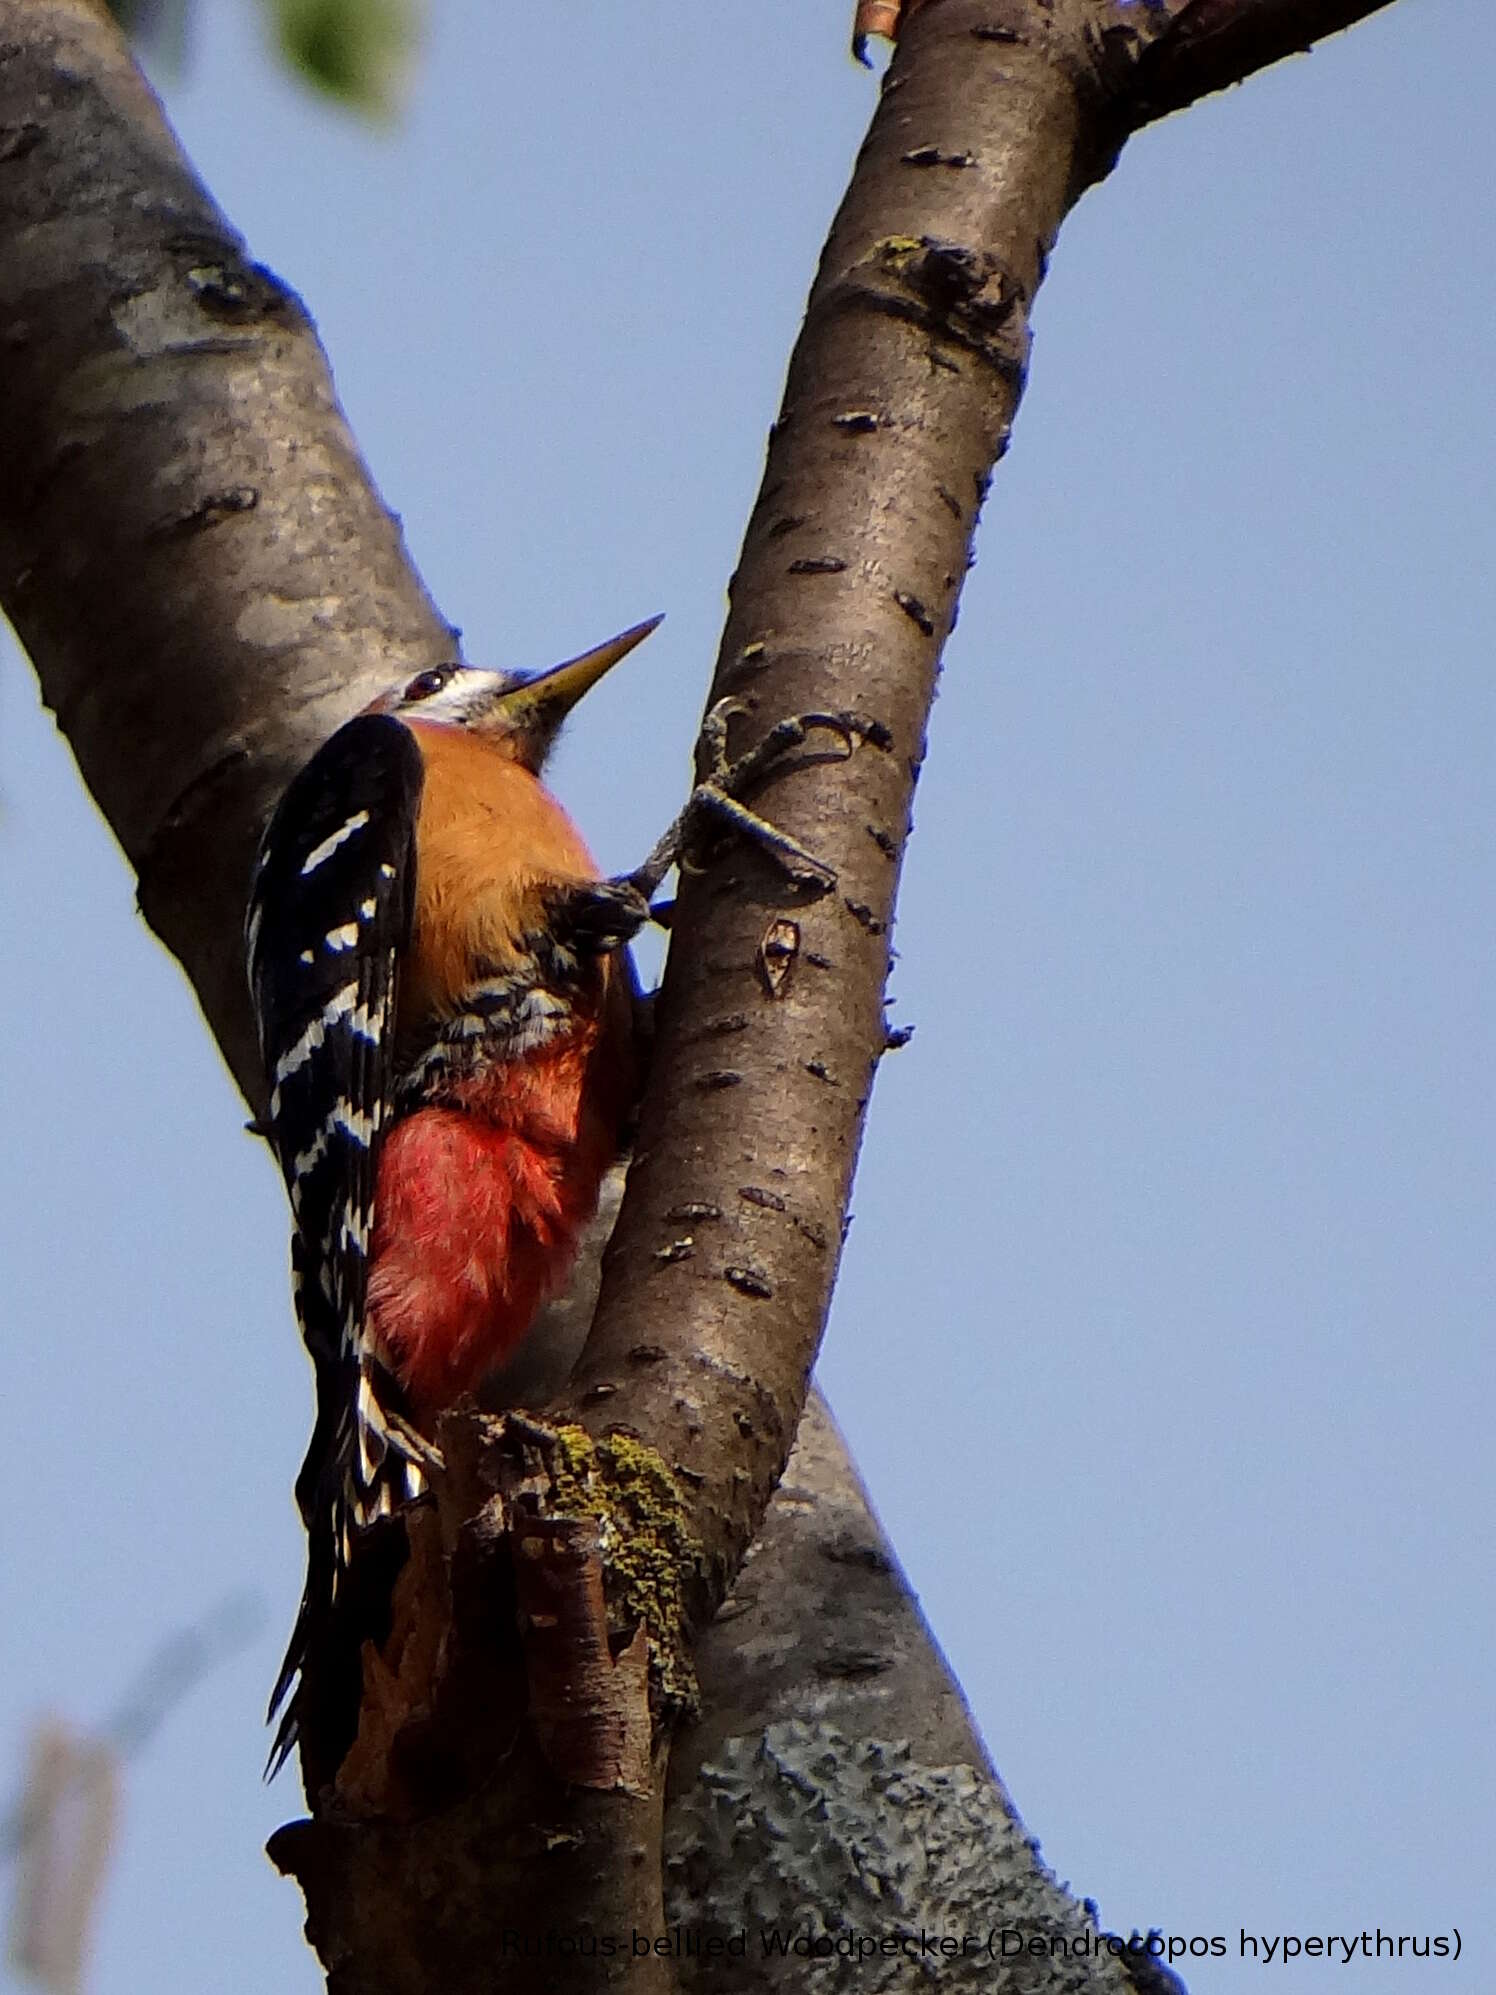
x=478, y=1212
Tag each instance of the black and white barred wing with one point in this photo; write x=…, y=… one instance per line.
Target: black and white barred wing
x=329, y=918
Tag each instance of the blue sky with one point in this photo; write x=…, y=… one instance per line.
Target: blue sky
x=1163, y=1335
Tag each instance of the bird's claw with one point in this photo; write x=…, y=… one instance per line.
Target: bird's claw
x=711, y=800
x=722, y=782
x=784, y=736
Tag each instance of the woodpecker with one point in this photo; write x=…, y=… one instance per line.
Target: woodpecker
x=445, y=1008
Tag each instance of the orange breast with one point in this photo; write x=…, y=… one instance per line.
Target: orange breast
x=490, y=838
x=480, y=1202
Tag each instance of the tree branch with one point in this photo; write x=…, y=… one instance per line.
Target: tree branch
x=899, y=396
x=190, y=547
x=1211, y=44
x=901, y=393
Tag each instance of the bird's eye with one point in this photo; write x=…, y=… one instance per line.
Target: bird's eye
x=424, y=684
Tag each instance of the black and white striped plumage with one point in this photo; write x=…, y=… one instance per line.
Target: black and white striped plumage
x=329, y=918
x=512, y=933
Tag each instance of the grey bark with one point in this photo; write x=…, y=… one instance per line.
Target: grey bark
x=191, y=549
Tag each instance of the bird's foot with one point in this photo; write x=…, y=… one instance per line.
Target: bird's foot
x=716, y=803
x=598, y=916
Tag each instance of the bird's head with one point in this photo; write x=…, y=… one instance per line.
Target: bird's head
x=522, y=713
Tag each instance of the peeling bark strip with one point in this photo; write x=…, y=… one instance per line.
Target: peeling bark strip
x=590, y=1711
x=614, y=1509
x=207, y=582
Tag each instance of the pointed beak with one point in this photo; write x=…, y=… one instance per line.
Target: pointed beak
x=536, y=707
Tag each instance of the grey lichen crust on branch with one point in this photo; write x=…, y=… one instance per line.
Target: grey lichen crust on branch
x=833, y=1793
x=860, y=1858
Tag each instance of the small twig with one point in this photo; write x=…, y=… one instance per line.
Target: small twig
x=175, y=1668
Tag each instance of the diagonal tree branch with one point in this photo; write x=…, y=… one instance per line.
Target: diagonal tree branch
x=901, y=392
x=1211, y=44
x=190, y=547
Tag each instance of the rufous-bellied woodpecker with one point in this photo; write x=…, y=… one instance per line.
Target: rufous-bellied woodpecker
x=446, y=1013
x=446, y=1019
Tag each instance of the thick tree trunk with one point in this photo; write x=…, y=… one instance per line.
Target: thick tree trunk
x=207, y=582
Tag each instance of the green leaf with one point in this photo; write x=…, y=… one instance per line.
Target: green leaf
x=357, y=51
